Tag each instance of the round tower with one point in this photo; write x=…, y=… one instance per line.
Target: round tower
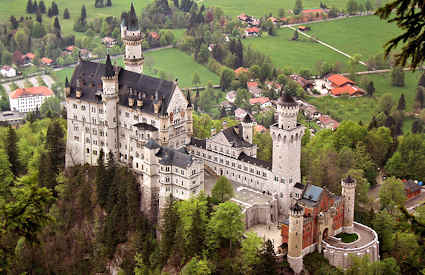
x=110, y=103
x=286, y=157
x=295, y=238
x=132, y=38
x=348, y=197
x=247, y=125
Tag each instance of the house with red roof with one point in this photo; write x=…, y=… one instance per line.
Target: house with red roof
x=240, y=113
x=240, y=70
x=328, y=122
x=254, y=89
x=26, y=100
x=260, y=128
x=252, y=32
x=264, y=102
x=46, y=61
x=342, y=85
x=313, y=12
x=71, y=48
x=154, y=35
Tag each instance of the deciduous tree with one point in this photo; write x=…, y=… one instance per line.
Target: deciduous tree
x=222, y=190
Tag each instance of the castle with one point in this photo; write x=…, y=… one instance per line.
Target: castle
x=146, y=123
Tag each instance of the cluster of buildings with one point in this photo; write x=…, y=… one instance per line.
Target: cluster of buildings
x=337, y=85
x=146, y=123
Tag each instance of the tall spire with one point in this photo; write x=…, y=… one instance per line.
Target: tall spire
x=189, y=101
x=132, y=21
x=109, y=69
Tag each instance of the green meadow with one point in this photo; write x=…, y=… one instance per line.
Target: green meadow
x=364, y=35
x=363, y=108
x=302, y=54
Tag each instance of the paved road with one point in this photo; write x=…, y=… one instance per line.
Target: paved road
x=327, y=45
x=48, y=80
x=20, y=83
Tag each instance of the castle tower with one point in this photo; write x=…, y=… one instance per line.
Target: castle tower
x=150, y=188
x=132, y=38
x=163, y=129
x=247, y=128
x=348, y=197
x=110, y=103
x=286, y=136
x=295, y=238
x=189, y=110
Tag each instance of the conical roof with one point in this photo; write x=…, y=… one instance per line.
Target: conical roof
x=287, y=99
x=247, y=119
x=109, y=69
x=189, y=101
x=132, y=22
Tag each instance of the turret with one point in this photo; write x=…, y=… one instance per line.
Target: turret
x=348, y=197
x=78, y=91
x=295, y=238
x=130, y=97
x=140, y=100
x=247, y=124
x=132, y=38
x=189, y=111
x=287, y=109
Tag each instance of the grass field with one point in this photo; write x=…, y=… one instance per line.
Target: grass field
x=297, y=55
x=363, y=108
x=60, y=76
x=17, y=8
x=176, y=64
x=260, y=8
x=365, y=35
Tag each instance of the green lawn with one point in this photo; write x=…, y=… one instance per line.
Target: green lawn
x=60, y=76
x=365, y=35
x=302, y=54
x=176, y=64
x=260, y=8
x=363, y=108
x=347, y=238
x=178, y=33
x=18, y=8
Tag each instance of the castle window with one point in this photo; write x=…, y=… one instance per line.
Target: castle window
x=100, y=111
x=74, y=106
x=282, y=180
x=136, y=117
x=102, y=143
x=87, y=140
x=281, y=195
x=76, y=138
x=94, y=152
x=290, y=180
x=239, y=166
x=276, y=178
x=83, y=107
x=251, y=170
x=87, y=130
x=127, y=114
x=93, y=109
x=94, y=132
x=88, y=150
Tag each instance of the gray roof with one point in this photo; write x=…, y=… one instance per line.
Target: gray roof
x=173, y=157
x=312, y=193
x=151, y=144
x=234, y=136
x=258, y=162
x=11, y=115
x=299, y=186
x=201, y=143
x=89, y=75
x=145, y=126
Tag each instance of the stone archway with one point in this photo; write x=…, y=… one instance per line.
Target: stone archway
x=325, y=234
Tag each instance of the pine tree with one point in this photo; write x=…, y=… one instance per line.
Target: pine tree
x=101, y=183
x=196, y=234
x=12, y=151
x=401, y=103
x=109, y=3
x=66, y=14
x=83, y=15
x=267, y=263
x=13, y=22
x=419, y=99
x=397, y=77
x=34, y=6
x=29, y=6
x=57, y=27
x=49, y=12
x=373, y=124
x=55, y=145
x=55, y=10
x=168, y=229
x=42, y=7
x=417, y=126
x=422, y=80
x=370, y=88
x=46, y=174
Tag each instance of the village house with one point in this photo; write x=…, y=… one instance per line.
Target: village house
x=304, y=83
x=252, y=32
x=254, y=89
x=26, y=100
x=13, y=119
x=70, y=49
x=260, y=128
x=7, y=71
x=46, y=61
x=109, y=41
x=240, y=113
x=328, y=123
x=226, y=105
x=273, y=85
x=411, y=188
x=264, y=102
x=240, y=70
x=343, y=86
